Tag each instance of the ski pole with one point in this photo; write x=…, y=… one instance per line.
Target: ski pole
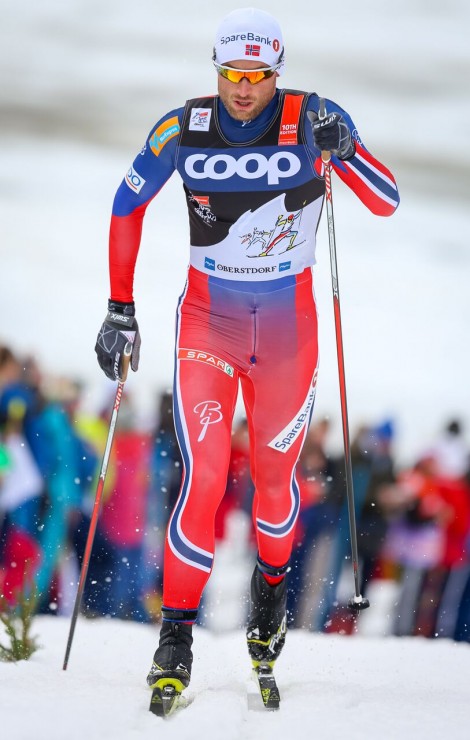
x=97, y=505
x=357, y=602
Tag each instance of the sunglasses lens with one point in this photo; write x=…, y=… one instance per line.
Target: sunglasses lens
x=235, y=75
x=255, y=77
x=232, y=75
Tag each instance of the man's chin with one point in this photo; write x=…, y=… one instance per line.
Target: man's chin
x=239, y=113
x=242, y=116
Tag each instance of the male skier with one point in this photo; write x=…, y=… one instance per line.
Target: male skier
x=245, y=156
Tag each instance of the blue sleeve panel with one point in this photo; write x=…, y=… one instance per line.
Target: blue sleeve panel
x=152, y=167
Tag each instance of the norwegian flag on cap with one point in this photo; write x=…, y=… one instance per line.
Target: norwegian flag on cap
x=252, y=50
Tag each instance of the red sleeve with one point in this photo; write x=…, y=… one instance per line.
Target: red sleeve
x=124, y=241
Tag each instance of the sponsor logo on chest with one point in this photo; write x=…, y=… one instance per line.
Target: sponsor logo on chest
x=279, y=166
x=288, y=134
x=200, y=119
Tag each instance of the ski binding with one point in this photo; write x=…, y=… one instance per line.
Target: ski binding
x=167, y=697
x=264, y=677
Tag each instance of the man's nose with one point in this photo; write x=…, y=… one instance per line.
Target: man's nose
x=244, y=86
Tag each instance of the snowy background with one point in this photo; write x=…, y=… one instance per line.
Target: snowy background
x=82, y=83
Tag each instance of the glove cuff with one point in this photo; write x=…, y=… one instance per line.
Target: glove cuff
x=349, y=153
x=121, y=313
x=126, y=309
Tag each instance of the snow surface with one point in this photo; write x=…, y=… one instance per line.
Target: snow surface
x=332, y=687
x=82, y=83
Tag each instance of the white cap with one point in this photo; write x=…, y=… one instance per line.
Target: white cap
x=249, y=33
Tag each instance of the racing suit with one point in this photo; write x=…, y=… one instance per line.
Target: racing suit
x=247, y=315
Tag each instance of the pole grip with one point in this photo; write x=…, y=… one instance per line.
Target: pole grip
x=325, y=155
x=126, y=361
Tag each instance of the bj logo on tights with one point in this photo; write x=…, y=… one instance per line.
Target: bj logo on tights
x=209, y=413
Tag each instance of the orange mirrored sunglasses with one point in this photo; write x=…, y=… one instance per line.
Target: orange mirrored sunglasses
x=252, y=75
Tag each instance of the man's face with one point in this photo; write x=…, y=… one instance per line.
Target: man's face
x=243, y=100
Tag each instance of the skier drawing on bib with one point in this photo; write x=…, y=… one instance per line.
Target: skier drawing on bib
x=255, y=237
x=285, y=233
x=239, y=321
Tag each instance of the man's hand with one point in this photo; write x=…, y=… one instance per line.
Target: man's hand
x=332, y=134
x=119, y=328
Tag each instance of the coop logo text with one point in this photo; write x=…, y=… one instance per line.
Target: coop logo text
x=280, y=165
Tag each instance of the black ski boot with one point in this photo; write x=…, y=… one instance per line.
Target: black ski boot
x=266, y=631
x=171, y=668
x=173, y=658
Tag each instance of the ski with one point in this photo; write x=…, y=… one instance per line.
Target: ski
x=264, y=678
x=166, y=699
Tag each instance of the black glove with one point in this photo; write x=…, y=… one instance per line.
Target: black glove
x=332, y=134
x=119, y=328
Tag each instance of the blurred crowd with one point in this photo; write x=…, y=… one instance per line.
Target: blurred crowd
x=413, y=524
